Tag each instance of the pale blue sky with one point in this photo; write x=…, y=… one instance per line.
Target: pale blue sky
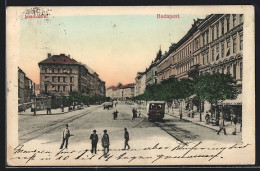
x=116, y=46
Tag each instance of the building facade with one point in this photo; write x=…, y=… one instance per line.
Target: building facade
x=222, y=45
x=213, y=45
x=122, y=92
x=140, y=83
x=60, y=75
x=151, y=72
x=26, y=88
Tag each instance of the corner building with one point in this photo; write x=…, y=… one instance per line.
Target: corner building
x=60, y=75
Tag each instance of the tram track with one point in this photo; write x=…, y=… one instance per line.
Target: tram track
x=51, y=126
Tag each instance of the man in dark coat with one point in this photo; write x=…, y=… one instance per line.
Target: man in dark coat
x=105, y=143
x=134, y=114
x=126, y=136
x=94, y=141
x=115, y=114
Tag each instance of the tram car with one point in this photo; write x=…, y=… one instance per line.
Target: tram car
x=155, y=110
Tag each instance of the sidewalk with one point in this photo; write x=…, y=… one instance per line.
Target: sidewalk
x=53, y=111
x=196, y=120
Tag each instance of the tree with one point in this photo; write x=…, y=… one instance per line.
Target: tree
x=181, y=90
x=215, y=88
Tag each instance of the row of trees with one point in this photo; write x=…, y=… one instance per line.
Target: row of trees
x=207, y=87
x=79, y=98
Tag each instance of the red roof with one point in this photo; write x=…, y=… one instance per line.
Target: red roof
x=120, y=87
x=59, y=59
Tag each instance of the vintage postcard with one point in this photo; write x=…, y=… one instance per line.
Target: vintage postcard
x=130, y=86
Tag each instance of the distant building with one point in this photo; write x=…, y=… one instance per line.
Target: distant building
x=122, y=92
x=26, y=87
x=60, y=75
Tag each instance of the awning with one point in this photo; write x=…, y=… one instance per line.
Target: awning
x=237, y=101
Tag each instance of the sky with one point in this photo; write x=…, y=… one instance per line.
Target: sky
x=115, y=46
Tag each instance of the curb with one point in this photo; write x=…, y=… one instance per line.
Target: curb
x=197, y=123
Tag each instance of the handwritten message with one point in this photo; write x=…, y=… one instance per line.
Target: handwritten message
x=150, y=154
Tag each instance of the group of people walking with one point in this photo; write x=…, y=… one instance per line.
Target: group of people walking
x=105, y=142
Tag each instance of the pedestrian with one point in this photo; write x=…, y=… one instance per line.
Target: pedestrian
x=231, y=117
x=48, y=109
x=207, y=117
x=134, y=114
x=192, y=113
x=62, y=108
x=105, y=143
x=65, y=136
x=235, y=125
x=94, y=141
x=139, y=114
x=126, y=136
x=222, y=125
x=115, y=114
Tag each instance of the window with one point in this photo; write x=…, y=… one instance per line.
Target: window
x=52, y=70
x=212, y=33
x=58, y=78
x=203, y=59
x=234, y=20
x=53, y=78
x=203, y=39
x=241, y=18
x=234, y=71
x=207, y=37
x=217, y=31
x=207, y=57
x=217, y=49
x=240, y=41
x=64, y=88
x=228, y=47
x=71, y=79
x=241, y=70
x=59, y=70
x=46, y=88
x=228, y=24
x=234, y=44
x=58, y=88
x=45, y=70
x=222, y=27
x=64, y=79
x=223, y=69
x=212, y=53
x=228, y=69
x=222, y=49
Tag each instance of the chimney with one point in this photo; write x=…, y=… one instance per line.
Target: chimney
x=62, y=54
x=69, y=55
x=49, y=55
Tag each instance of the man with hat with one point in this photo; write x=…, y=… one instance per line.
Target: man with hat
x=126, y=136
x=65, y=136
x=94, y=141
x=105, y=143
